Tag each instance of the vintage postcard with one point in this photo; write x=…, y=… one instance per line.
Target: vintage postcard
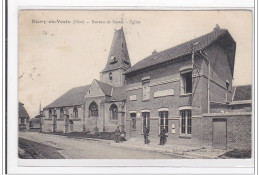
x=135, y=84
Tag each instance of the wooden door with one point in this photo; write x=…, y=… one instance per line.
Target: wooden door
x=133, y=124
x=219, y=134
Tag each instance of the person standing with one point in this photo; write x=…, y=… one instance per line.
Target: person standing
x=163, y=136
x=117, y=134
x=146, y=134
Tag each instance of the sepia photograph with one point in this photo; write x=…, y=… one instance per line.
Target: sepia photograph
x=135, y=84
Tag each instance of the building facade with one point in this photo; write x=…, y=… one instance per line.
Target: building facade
x=186, y=89
x=23, y=117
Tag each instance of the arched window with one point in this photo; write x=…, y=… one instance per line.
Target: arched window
x=75, y=112
x=55, y=112
x=110, y=76
x=113, y=112
x=61, y=113
x=50, y=113
x=93, y=109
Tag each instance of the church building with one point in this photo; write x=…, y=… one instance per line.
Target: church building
x=186, y=89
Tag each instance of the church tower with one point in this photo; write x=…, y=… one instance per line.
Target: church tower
x=118, y=61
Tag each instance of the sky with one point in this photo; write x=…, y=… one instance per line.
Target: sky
x=54, y=57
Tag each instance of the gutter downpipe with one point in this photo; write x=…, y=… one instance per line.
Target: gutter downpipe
x=208, y=79
x=192, y=63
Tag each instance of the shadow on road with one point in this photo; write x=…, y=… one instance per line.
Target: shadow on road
x=34, y=150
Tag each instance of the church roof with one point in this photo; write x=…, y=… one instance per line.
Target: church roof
x=106, y=88
x=22, y=113
x=119, y=52
x=118, y=94
x=181, y=50
x=73, y=97
x=242, y=93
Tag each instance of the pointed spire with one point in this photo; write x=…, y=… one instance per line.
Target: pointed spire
x=118, y=56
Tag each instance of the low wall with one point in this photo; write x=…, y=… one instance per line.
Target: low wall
x=239, y=133
x=48, y=124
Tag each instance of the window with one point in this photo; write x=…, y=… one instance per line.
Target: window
x=50, y=113
x=186, y=82
x=110, y=76
x=55, y=112
x=146, y=89
x=93, y=109
x=133, y=120
x=113, y=112
x=61, y=113
x=163, y=120
x=22, y=121
x=185, y=121
x=75, y=112
x=146, y=120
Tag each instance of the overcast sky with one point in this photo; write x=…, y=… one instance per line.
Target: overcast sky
x=53, y=58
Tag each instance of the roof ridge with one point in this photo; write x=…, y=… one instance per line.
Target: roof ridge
x=101, y=84
x=216, y=34
x=60, y=101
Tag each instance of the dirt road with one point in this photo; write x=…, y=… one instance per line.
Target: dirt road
x=71, y=148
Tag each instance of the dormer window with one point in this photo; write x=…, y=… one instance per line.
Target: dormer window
x=113, y=59
x=110, y=76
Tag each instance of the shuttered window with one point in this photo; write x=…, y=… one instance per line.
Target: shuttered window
x=163, y=120
x=185, y=121
x=146, y=90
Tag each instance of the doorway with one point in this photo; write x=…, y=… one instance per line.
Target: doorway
x=219, y=134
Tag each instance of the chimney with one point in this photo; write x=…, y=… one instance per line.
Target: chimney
x=154, y=52
x=216, y=27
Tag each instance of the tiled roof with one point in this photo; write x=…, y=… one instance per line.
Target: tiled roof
x=22, y=113
x=243, y=93
x=118, y=94
x=119, y=51
x=106, y=88
x=73, y=97
x=178, y=51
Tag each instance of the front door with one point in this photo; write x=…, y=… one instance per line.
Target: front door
x=219, y=134
x=133, y=124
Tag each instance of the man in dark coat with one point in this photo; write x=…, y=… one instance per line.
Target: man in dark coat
x=146, y=134
x=117, y=135
x=163, y=136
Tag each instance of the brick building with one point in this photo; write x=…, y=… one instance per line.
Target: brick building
x=186, y=89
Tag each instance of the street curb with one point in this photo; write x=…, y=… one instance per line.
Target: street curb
x=183, y=154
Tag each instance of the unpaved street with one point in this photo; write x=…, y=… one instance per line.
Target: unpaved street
x=71, y=148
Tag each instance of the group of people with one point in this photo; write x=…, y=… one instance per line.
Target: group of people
x=120, y=136
x=163, y=135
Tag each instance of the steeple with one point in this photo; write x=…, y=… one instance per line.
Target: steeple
x=118, y=56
